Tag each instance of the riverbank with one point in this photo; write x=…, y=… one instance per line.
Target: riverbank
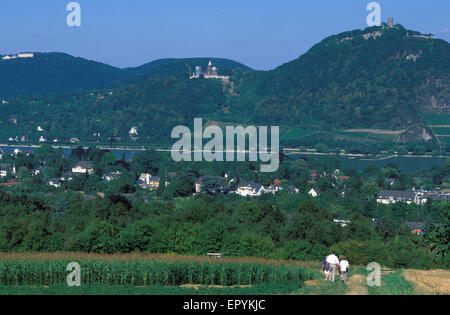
x=287, y=151
x=35, y=146
x=365, y=157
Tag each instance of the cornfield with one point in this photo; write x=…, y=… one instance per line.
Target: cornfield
x=149, y=273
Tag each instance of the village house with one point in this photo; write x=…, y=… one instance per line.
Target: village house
x=435, y=195
x=55, y=182
x=394, y=196
x=390, y=182
x=314, y=174
x=293, y=189
x=133, y=132
x=35, y=172
x=343, y=223
x=67, y=177
x=198, y=185
x=336, y=173
x=274, y=187
x=314, y=192
x=223, y=187
x=147, y=181
x=249, y=189
x=83, y=167
x=111, y=175
x=6, y=169
x=415, y=227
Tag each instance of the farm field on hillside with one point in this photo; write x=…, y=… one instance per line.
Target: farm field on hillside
x=295, y=133
x=442, y=131
x=432, y=119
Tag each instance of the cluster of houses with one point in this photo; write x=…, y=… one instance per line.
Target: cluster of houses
x=419, y=197
x=245, y=189
x=147, y=181
x=225, y=185
x=42, y=139
x=252, y=189
x=83, y=167
x=6, y=169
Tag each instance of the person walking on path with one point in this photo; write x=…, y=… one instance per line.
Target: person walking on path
x=326, y=268
x=333, y=262
x=344, y=266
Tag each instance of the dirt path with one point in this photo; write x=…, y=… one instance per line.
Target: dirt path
x=356, y=285
x=376, y=131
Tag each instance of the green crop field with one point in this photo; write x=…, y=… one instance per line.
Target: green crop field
x=296, y=133
x=151, y=277
x=141, y=274
x=432, y=119
x=382, y=137
x=445, y=139
x=442, y=131
x=369, y=136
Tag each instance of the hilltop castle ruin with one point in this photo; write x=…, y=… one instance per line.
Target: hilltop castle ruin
x=211, y=72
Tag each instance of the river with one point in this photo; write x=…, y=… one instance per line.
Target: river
x=407, y=164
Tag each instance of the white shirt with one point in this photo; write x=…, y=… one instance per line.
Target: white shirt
x=332, y=260
x=344, y=265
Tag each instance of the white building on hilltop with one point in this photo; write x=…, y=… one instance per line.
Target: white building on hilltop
x=21, y=55
x=211, y=72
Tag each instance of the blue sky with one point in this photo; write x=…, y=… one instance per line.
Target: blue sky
x=262, y=34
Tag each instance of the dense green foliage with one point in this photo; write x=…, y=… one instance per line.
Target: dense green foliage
x=51, y=73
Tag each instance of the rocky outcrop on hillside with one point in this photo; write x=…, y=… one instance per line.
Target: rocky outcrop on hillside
x=417, y=133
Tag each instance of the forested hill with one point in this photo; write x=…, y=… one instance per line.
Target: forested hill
x=53, y=72
x=58, y=72
x=379, y=77
x=185, y=65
